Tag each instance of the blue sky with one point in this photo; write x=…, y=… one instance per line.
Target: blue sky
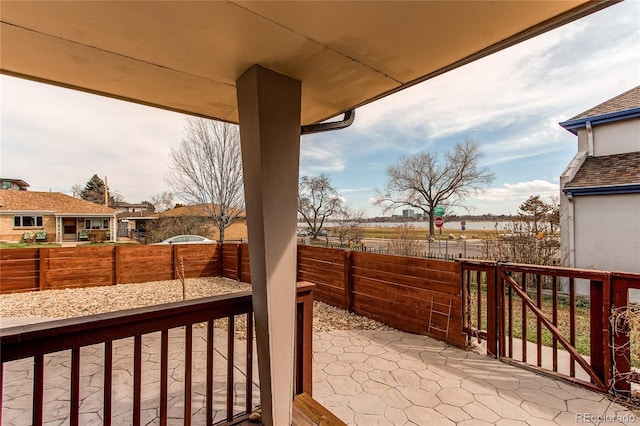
x=510, y=103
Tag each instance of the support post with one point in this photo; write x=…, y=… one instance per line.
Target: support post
x=269, y=114
x=43, y=254
x=348, y=280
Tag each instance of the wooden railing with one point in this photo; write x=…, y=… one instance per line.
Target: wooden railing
x=179, y=319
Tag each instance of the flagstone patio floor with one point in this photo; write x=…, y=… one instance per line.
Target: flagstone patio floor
x=366, y=378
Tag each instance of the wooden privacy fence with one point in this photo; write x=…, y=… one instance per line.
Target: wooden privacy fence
x=67, y=267
x=415, y=295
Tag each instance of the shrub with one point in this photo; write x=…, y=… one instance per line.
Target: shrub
x=97, y=236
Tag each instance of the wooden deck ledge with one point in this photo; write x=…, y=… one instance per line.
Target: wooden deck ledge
x=309, y=412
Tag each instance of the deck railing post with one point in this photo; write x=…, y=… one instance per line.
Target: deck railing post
x=501, y=340
x=304, y=338
x=492, y=310
x=621, y=348
x=598, y=344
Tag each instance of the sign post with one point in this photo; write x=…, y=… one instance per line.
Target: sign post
x=439, y=222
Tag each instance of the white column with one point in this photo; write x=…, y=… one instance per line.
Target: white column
x=269, y=113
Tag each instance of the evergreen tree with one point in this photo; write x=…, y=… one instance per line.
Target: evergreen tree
x=94, y=191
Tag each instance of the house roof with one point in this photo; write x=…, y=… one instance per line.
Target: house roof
x=18, y=182
x=195, y=210
x=621, y=107
x=187, y=56
x=607, y=173
x=50, y=202
x=123, y=204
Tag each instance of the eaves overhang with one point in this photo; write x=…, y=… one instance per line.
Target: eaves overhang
x=186, y=56
x=603, y=190
x=574, y=125
x=85, y=215
x=26, y=212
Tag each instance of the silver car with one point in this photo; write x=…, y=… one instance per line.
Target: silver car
x=187, y=239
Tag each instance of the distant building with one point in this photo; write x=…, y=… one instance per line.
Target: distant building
x=600, y=189
x=133, y=218
x=408, y=214
x=13, y=184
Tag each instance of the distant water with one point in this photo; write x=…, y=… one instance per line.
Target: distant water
x=489, y=226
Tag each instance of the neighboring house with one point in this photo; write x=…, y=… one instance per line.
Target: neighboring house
x=133, y=219
x=122, y=207
x=13, y=184
x=61, y=216
x=600, y=189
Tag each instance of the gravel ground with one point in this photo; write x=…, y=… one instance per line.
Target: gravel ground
x=70, y=303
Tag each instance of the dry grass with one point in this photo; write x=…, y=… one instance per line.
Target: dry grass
x=582, y=320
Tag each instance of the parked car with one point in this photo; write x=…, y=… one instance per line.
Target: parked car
x=187, y=239
x=303, y=233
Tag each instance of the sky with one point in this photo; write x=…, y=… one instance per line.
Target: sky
x=510, y=103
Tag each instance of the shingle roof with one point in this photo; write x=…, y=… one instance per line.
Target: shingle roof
x=195, y=210
x=608, y=170
x=625, y=101
x=48, y=202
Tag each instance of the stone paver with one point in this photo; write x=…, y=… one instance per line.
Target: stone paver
x=364, y=377
x=415, y=380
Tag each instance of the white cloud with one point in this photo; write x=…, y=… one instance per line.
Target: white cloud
x=543, y=76
x=319, y=155
x=519, y=191
x=54, y=138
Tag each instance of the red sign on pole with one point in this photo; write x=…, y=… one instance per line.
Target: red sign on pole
x=439, y=221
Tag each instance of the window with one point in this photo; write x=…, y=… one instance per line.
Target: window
x=96, y=224
x=27, y=221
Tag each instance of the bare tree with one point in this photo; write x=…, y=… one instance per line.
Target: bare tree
x=530, y=238
x=426, y=180
x=348, y=221
x=317, y=201
x=162, y=201
x=206, y=169
x=405, y=242
x=76, y=189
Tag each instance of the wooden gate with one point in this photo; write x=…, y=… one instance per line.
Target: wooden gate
x=552, y=320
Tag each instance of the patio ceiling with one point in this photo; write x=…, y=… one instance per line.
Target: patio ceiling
x=187, y=55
